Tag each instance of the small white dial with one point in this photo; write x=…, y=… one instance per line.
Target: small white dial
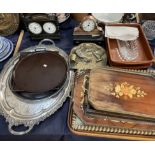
x=49, y=28
x=35, y=28
x=88, y=25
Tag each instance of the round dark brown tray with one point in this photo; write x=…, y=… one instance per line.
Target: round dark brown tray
x=39, y=72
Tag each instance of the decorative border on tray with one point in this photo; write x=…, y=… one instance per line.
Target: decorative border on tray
x=78, y=125
x=149, y=72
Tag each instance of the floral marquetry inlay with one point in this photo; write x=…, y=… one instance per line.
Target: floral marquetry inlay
x=124, y=90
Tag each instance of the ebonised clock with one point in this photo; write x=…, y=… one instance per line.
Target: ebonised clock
x=41, y=25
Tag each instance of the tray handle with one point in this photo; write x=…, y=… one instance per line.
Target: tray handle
x=12, y=131
x=47, y=40
x=1, y=111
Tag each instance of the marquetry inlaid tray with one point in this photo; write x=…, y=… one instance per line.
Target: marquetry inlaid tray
x=102, y=124
x=122, y=94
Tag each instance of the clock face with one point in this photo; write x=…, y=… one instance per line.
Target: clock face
x=88, y=25
x=49, y=28
x=35, y=28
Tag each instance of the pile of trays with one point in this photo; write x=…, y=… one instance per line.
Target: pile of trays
x=114, y=103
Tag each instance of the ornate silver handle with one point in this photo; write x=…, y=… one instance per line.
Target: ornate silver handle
x=1, y=111
x=47, y=40
x=19, y=132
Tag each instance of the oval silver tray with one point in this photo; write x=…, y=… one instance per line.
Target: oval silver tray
x=20, y=111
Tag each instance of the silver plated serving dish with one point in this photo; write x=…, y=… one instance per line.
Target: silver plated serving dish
x=20, y=111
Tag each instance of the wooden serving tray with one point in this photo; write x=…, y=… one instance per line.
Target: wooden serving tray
x=130, y=66
x=120, y=93
x=111, y=126
x=145, y=53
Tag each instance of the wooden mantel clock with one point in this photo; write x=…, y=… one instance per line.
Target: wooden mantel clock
x=88, y=31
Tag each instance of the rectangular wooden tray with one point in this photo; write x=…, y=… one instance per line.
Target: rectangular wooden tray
x=145, y=53
x=106, y=126
x=130, y=66
x=122, y=94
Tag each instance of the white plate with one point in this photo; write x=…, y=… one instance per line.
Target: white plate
x=108, y=17
x=7, y=52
